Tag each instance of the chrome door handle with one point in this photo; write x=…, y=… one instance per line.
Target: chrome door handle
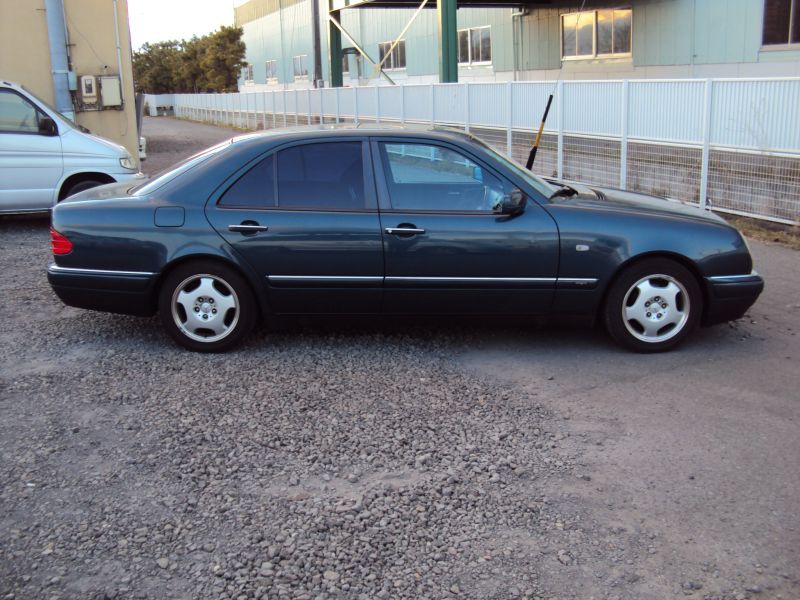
x=247, y=228
x=403, y=230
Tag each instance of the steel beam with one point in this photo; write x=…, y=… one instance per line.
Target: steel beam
x=334, y=49
x=448, y=40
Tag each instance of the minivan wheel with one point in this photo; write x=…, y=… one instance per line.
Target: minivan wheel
x=206, y=307
x=82, y=186
x=653, y=306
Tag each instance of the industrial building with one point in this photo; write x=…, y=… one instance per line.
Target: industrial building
x=75, y=55
x=516, y=41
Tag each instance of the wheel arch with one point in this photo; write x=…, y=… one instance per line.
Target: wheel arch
x=681, y=259
x=207, y=257
x=76, y=178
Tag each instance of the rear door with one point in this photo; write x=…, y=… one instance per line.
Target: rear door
x=31, y=164
x=305, y=218
x=446, y=251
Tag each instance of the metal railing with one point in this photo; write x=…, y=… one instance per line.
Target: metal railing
x=729, y=144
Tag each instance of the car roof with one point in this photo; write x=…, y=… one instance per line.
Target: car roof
x=354, y=130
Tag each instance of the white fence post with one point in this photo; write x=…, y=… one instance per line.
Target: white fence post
x=338, y=89
x=403, y=104
x=355, y=105
x=509, y=136
x=284, y=107
x=560, y=124
x=623, y=150
x=433, y=105
x=704, y=168
x=466, y=107
x=377, y=104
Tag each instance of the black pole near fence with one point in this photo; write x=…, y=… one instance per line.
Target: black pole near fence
x=532, y=155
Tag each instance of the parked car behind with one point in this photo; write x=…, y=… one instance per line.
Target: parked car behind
x=45, y=157
x=381, y=220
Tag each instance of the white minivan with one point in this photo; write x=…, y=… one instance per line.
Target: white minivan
x=45, y=157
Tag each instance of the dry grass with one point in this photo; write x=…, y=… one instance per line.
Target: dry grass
x=766, y=231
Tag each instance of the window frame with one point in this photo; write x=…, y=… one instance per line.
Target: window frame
x=370, y=202
x=594, y=55
x=303, y=76
x=248, y=75
x=381, y=166
x=395, y=54
x=794, y=15
x=37, y=111
x=274, y=78
x=470, y=62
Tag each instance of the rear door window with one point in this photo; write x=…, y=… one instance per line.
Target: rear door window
x=322, y=175
x=254, y=189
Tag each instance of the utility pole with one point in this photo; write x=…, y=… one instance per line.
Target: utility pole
x=448, y=41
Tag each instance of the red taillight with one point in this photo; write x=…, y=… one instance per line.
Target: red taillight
x=60, y=244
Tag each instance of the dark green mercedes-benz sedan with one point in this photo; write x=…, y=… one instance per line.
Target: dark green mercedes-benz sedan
x=381, y=220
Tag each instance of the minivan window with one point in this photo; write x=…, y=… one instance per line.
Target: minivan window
x=254, y=189
x=322, y=175
x=17, y=115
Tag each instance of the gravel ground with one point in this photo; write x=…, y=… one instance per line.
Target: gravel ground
x=429, y=460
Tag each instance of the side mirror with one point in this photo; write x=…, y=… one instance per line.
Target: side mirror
x=512, y=203
x=47, y=126
x=477, y=174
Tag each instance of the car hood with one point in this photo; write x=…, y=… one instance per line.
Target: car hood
x=602, y=197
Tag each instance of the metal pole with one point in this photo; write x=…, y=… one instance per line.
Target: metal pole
x=706, y=143
x=448, y=41
x=316, y=37
x=334, y=49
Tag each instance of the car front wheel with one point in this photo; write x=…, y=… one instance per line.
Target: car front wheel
x=206, y=307
x=653, y=306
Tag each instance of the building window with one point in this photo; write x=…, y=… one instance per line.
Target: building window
x=596, y=33
x=272, y=71
x=397, y=59
x=300, y=69
x=781, y=22
x=247, y=73
x=475, y=46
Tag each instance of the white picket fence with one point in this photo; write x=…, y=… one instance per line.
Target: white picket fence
x=732, y=144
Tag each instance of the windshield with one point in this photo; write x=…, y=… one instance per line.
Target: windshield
x=170, y=173
x=67, y=120
x=538, y=183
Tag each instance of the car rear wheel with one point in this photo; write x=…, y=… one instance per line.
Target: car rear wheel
x=653, y=306
x=206, y=307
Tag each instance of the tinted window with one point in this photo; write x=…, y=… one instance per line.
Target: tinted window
x=256, y=188
x=321, y=175
x=426, y=177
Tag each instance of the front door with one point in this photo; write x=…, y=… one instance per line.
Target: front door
x=31, y=164
x=305, y=218
x=446, y=251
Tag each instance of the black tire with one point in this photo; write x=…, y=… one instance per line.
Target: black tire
x=653, y=326
x=82, y=186
x=206, y=286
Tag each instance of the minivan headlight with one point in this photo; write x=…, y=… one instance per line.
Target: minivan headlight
x=127, y=163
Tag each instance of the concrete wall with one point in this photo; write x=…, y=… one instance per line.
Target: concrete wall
x=25, y=57
x=671, y=39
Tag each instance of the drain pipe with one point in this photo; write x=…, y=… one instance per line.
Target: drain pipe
x=516, y=40
x=59, y=63
x=119, y=55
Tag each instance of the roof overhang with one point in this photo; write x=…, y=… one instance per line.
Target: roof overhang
x=574, y=4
